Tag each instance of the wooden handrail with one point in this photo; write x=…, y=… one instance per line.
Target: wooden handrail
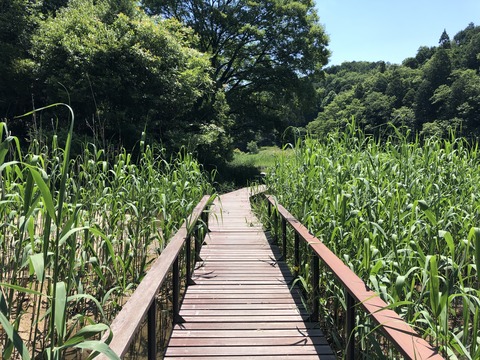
x=127, y=322
x=410, y=344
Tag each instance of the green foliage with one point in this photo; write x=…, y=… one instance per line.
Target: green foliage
x=81, y=234
x=252, y=147
x=431, y=93
x=18, y=19
x=121, y=70
x=403, y=215
x=265, y=54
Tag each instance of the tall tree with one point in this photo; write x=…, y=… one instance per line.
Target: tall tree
x=255, y=47
x=438, y=69
x=123, y=72
x=18, y=20
x=445, y=40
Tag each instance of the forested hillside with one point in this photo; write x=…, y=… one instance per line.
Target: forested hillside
x=201, y=74
x=431, y=93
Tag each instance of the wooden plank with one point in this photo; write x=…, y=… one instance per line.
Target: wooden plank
x=249, y=341
x=260, y=357
x=298, y=325
x=238, y=306
x=241, y=305
x=249, y=350
x=248, y=333
x=244, y=318
x=236, y=300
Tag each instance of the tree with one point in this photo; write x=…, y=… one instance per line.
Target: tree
x=52, y=6
x=258, y=49
x=338, y=113
x=17, y=23
x=438, y=68
x=445, y=40
x=424, y=54
x=124, y=72
x=378, y=109
x=424, y=111
x=464, y=99
x=403, y=117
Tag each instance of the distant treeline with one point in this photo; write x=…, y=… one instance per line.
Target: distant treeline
x=432, y=93
x=212, y=76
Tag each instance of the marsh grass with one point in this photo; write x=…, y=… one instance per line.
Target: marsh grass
x=405, y=217
x=247, y=168
x=78, y=234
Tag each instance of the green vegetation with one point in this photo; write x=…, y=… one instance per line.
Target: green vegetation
x=247, y=168
x=80, y=225
x=432, y=93
x=206, y=80
x=266, y=54
x=78, y=235
x=266, y=157
x=404, y=216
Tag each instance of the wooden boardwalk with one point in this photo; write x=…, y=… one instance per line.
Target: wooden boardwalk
x=241, y=305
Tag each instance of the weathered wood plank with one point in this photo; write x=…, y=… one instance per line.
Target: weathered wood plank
x=269, y=357
x=249, y=350
x=248, y=333
x=259, y=340
x=297, y=325
x=241, y=305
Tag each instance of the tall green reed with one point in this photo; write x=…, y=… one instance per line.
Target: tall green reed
x=402, y=214
x=78, y=235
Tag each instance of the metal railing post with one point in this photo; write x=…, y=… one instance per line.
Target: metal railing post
x=350, y=327
x=315, y=288
x=176, y=292
x=296, y=255
x=188, y=260
x=284, y=238
x=205, y=217
x=152, y=331
x=269, y=211
x=275, y=226
x=198, y=244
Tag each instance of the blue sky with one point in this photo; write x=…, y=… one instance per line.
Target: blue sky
x=388, y=30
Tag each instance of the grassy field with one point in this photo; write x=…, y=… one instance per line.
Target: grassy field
x=405, y=216
x=246, y=168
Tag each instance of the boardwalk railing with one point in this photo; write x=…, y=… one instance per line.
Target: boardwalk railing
x=166, y=267
x=394, y=328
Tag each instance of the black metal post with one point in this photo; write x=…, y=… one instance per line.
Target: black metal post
x=284, y=238
x=152, y=331
x=269, y=211
x=350, y=327
x=275, y=226
x=296, y=255
x=315, y=288
x=188, y=260
x=205, y=217
x=198, y=244
x=176, y=292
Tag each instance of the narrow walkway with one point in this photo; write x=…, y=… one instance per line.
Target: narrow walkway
x=241, y=305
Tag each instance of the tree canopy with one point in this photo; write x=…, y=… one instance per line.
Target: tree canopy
x=432, y=93
x=123, y=72
x=214, y=75
x=192, y=73
x=266, y=54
